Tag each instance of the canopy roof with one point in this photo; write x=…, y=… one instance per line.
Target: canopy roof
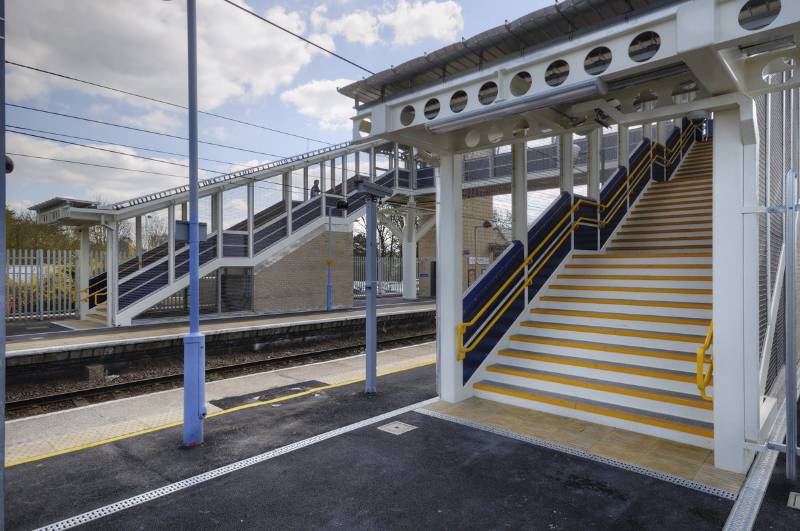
x=534, y=31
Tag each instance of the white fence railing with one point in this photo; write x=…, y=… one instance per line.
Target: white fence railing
x=42, y=283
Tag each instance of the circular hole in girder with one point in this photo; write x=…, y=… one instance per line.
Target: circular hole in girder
x=407, y=115
x=556, y=73
x=779, y=71
x=597, y=61
x=645, y=101
x=644, y=46
x=488, y=93
x=432, y=108
x=364, y=127
x=757, y=14
x=520, y=128
x=520, y=83
x=458, y=101
x=472, y=138
x=684, y=92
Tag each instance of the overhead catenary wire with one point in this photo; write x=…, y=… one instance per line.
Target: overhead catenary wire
x=107, y=166
x=108, y=142
x=165, y=102
x=138, y=129
x=172, y=163
x=298, y=36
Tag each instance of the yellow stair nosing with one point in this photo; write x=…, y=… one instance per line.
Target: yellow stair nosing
x=632, y=289
x=688, y=321
x=588, y=363
x=620, y=332
x=675, y=278
x=629, y=302
x=638, y=266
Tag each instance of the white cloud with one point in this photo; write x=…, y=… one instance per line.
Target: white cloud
x=110, y=185
x=320, y=100
x=358, y=26
x=155, y=120
x=141, y=46
x=416, y=20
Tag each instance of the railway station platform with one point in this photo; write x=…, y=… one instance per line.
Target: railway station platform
x=304, y=448
x=105, y=342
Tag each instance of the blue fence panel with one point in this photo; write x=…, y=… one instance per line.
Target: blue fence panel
x=615, y=184
x=483, y=290
x=585, y=235
x=549, y=221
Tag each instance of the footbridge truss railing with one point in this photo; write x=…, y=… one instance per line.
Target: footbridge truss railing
x=571, y=222
x=143, y=281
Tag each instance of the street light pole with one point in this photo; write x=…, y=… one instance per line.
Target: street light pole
x=3, y=273
x=194, y=348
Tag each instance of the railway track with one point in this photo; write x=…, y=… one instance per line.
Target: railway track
x=83, y=396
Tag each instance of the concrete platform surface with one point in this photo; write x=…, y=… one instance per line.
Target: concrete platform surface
x=160, y=332
x=50, y=434
x=331, y=458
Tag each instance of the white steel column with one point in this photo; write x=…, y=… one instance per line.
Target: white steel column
x=449, y=272
x=215, y=203
x=730, y=254
x=287, y=200
x=594, y=139
x=623, y=146
x=251, y=211
x=409, y=251
x=84, y=272
x=171, y=243
x=519, y=192
x=567, y=162
x=138, y=235
x=112, y=284
x=218, y=199
x=344, y=175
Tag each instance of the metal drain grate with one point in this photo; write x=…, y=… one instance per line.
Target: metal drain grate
x=397, y=428
x=794, y=500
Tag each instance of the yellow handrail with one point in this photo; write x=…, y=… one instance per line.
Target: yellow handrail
x=462, y=327
x=704, y=378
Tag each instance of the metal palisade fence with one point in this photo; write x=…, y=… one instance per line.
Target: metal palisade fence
x=43, y=283
x=390, y=276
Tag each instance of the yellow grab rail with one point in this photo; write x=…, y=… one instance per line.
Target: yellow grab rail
x=704, y=378
x=628, y=190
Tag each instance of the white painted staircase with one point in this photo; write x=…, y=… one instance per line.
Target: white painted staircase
x=612, y=338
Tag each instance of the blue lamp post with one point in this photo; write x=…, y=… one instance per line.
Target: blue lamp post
x=194, y=345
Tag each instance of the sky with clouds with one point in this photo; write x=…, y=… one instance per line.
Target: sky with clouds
x=247, y=70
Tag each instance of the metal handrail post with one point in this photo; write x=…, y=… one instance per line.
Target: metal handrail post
x=370, y=285
x=790, y=316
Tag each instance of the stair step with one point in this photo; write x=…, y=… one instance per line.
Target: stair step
x=633, y=415
x=636, y=391
x=606, y=347
x=664, y=197
x=705, y=213
x=627, y=238
x=677, y=232
x=624, y=368
x=629, y=302
x=695, y=223
x=688, y=321
x=660, y=247
x=638, y=266
x=616, y=332
x=694, y=178
x=672, y=187
x=671, y=201
x=678, y=191
x=644, y=278
x=631, y=289
x=617, y=256
x=675, y=209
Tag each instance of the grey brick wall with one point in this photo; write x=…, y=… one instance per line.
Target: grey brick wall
x=298, y=281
